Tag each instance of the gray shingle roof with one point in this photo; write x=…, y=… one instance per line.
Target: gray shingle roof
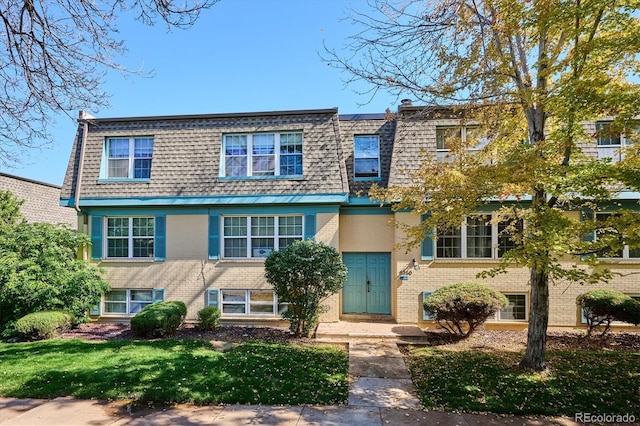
x=187, y=153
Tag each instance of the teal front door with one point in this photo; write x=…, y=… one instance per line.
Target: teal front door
x=368, y=286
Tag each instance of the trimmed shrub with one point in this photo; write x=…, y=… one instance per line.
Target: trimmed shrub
x=630, y=311
x=43, y=325
x=208, y=318
x=159, y=319
x=304, y=274
x=603, y=306
x=462, y=307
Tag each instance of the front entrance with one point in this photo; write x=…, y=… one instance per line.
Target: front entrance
x=368, y=286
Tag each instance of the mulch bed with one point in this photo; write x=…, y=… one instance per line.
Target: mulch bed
x=226, y=333
x=482, y=339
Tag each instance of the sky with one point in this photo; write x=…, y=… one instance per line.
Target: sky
x=240, y=56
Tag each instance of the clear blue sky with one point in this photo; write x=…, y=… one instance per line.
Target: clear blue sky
x=241, y=56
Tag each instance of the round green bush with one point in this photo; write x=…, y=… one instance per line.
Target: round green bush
x=159, y=319
x=603, y=306
x=460, y=308
x=208, y=318
x=43, y=325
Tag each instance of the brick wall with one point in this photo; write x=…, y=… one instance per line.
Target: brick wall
x=42, y=200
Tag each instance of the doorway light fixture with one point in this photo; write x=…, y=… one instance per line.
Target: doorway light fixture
x=416, y=265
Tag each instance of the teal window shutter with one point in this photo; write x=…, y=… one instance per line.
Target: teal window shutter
x=96, y=237
x=425, y=294
x=213, y=297
x=426, y=247
x=310, y=227
x=214, y=236
x=160, y=243
x=158, y=295
x=95, y=309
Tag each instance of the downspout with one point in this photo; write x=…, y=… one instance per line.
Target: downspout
x=83, y=118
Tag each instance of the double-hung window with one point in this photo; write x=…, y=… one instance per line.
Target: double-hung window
x=130, y=301
x=449, y=136
x=129, y=237
x=610, y=142
x=128, y=158
x=262, y=154
x=516, y=309
x=366, y=157
x=250, y=302
x=258, y=236
x=479, y=237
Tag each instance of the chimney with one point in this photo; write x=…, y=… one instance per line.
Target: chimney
x=406, y=102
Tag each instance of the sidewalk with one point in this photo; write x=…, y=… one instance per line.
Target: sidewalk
x=381, y=393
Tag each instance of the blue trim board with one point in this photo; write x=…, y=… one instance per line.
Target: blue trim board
x=231, y=210
x=365, y=211
x=215, y=200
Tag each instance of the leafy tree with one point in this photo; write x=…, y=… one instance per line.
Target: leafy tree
x=461, y=308
x=10, y=209
x=528, y=73
x=55, y=55
x=39, y=270
x=303, y=275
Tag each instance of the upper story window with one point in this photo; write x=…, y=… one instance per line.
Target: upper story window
x=128, y=158
x=130, y=237
x=258, y=236
x=366, y=157
x=448, y=136
x=477, y=238
x=262, y=154
x=609, y=142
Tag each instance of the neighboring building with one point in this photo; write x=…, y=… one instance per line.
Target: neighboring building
x=41, y=200
x=187, y=208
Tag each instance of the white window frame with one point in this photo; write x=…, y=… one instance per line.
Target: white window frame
x=356, y=158
x=464, y=240
x=132, y=306
x=252, y=252
x=131, y=158
x=625, y=251
x=130, y=237
x=247, y=303
x=442, y=153
x=498, y=315
x=612, y=150
x=277, y=154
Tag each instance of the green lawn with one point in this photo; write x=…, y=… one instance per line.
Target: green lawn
x=577, y=381
x=174, y=371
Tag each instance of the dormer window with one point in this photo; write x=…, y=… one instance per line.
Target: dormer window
x=262, y=155
x=128, y=158
x=367, y=157
x=610, y=141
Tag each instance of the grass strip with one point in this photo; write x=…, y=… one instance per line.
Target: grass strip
x=174, y=371
x=490, y=381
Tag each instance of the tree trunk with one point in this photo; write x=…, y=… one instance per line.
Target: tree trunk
x=534, y=356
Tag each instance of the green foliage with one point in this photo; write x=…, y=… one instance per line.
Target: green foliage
x=10, y=209
x=460, y=308
x=303, y=275
x=603, y=306
x=39, y=270
x=159, y=319
x=630, y=312
x=208, y=318
x=168, y=371
x=43, y=325
x=486, y=381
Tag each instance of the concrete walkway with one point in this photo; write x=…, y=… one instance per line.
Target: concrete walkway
x=381, y=393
